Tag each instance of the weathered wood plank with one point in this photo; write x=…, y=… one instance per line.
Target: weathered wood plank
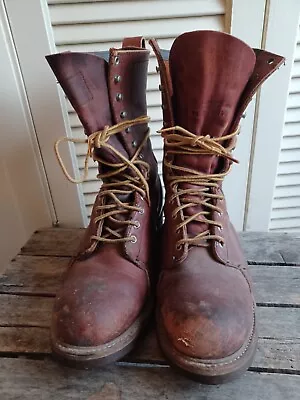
x=274, y=354
x=24, y=340
x=34, y=274
x=41, y=275
x=277, y=322
x=43, y=379
x=279, y=342
x=258, y=246
x=25, y=311
x=266, y=247
x=276, y=285
x=54, y=242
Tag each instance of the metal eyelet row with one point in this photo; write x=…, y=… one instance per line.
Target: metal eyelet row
x=119, y=97
x=117, y=79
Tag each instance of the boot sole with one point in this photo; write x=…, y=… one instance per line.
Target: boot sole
x=86, y=357
x=212, y=372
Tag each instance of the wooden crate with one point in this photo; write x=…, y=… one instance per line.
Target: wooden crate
x=27, y=290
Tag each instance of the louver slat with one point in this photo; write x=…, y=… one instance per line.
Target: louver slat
x=286, y=202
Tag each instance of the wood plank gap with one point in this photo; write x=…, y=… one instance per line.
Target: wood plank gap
x=143, y=363
x=273, y=264
x=274, y=371
x=280, y=305
x=47, y=255
x=27, y=356
x=28, y=294
x=24, y=326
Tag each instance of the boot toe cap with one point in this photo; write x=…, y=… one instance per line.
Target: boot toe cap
x=95, y=310
x=206, y=324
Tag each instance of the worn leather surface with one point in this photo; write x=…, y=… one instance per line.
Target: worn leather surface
x=99, y=299
x=205, y=299
x=107, y=285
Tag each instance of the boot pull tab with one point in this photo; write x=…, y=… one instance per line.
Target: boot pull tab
x=166, y=82
x=137, y=41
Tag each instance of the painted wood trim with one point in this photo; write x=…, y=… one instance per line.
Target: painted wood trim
x=279, y=37
x=33, y=40
x=247, y=24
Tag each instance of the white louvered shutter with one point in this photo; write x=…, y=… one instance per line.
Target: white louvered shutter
x=99, y=25
x=285, y=214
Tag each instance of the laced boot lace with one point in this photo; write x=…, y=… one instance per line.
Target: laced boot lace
x=187, y=143
x=122, y=180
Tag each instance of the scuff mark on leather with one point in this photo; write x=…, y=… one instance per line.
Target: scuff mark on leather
x=184, y=341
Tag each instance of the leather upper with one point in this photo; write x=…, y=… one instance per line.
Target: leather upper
x=99, y=299
x=205, y=298
x=108, y=283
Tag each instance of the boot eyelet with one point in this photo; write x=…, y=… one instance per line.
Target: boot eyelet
x=178, y=247
x=134, y=143
x=116, y=60
x=219, y=213
x=141, y=211
x=220, y=228
x=123, y=114
x=127, y=130
x=271, y=61
x=137, y=225
x=117, y=78
x=221, y=244
x=133, y=239
x=119, y=96
x=141, y=156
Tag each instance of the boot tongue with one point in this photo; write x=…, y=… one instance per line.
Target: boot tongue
x=209, y=72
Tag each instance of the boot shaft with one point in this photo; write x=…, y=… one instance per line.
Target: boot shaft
x=207, y=80
x=106, y=88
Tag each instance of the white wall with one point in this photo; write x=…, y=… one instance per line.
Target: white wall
x=25, y=203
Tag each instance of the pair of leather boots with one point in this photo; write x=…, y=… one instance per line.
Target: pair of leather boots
x=192, y=264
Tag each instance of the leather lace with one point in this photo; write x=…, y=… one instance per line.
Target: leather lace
x=123, y=179
x=186, y=142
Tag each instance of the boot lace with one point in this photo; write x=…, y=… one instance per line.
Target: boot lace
x=117, y=182
x=186, y=142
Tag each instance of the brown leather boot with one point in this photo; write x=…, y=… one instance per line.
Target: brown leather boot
x=206, y=311
x=106, y=294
